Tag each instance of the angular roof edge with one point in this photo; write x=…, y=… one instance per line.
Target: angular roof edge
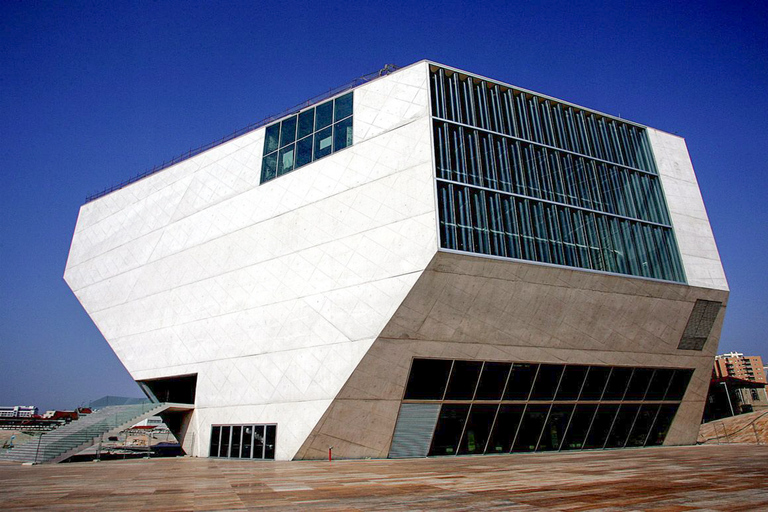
x=357, y=82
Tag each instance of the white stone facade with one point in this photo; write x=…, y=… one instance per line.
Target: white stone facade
x=273, y=294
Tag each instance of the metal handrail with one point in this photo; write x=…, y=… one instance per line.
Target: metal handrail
x=389, y=68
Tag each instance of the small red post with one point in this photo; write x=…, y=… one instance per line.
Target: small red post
x=330, y=448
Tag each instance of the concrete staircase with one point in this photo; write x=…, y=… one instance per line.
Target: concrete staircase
x=70, y=439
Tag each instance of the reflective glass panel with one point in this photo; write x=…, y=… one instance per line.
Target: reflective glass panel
x=288, y=131
x=478, y=429
x=601, y=426
x=258, y=442
x=577, y=430
x=661, y=426
x=323, y=142
x=271, y=138
x=617, y=383
x=448, y=430
x=306, y=123
x=224, y=451
x=678, y=384
x=343, y=106
x=215, y=433
x=643, y=424
x=505, y=428
x=427, y=379
x=520, y=381
x=622, y=426
x=554, y=429
x=342, y=134
x=659, y=384
x=546, y=382
x=285, y=160
x=269, y=442
x=463, y=381
x=571, y=383
x=530, y=428
x=595, y=383
x=245, y=451
x=492, y=381
x=638, y=384
x=234, y=451
x=303, y=151
x=269, y=167
x=323, y=115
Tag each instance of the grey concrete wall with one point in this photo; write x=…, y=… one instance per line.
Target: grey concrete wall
x=483, y=309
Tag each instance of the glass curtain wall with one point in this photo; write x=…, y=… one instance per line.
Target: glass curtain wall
x=525, y=177
x=501, y=407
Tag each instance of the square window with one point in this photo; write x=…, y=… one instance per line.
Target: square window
x=285, y=161
x=323, y=115
x=306, y=123
x=288, y=131
x=271, y=136
x=304, y=151
x=269, y=167
x=342, y=134
x=323, y=143
x=343, y=106
x=427, y=379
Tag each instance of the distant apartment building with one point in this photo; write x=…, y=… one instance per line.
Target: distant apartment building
x=18, y=411
x=742, y=379
x=736, y=364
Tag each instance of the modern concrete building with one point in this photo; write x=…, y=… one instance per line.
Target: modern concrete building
x=429, y=263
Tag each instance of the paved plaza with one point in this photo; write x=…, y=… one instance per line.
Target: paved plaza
x=725, y=477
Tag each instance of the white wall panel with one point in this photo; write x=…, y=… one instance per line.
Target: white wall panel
x=270, y=293
x=695, y=239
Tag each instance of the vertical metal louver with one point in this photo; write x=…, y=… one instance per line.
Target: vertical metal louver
x=413, y=432
x=699, y=325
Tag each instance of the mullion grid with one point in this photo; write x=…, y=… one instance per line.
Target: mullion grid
x=607, y=177
x=311, y=136
x=574, y=403
x=465, y=227
x=540, y=119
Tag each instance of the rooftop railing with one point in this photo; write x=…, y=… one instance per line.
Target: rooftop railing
x=389, y=68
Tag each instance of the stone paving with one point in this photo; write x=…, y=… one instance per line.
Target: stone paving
x=715, y=477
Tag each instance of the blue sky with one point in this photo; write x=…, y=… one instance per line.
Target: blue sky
x=92, y=93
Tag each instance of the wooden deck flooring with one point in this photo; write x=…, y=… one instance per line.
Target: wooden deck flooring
x=729, y=478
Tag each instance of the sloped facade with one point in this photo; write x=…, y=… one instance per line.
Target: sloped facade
x=302, y=300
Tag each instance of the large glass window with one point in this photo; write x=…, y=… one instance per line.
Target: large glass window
x=527, y=177
x=448, y=430
x=478, y=429
x=505, y=428
x=577, y=430
x=498, y=407
x=243, y=441
x=463, y=380
x=492, y=381
x=530, y=428
x=309, y=135
x=427, y=379
x=520, y=381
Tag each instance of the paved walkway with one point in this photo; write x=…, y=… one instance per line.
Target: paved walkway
x=729, y=478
